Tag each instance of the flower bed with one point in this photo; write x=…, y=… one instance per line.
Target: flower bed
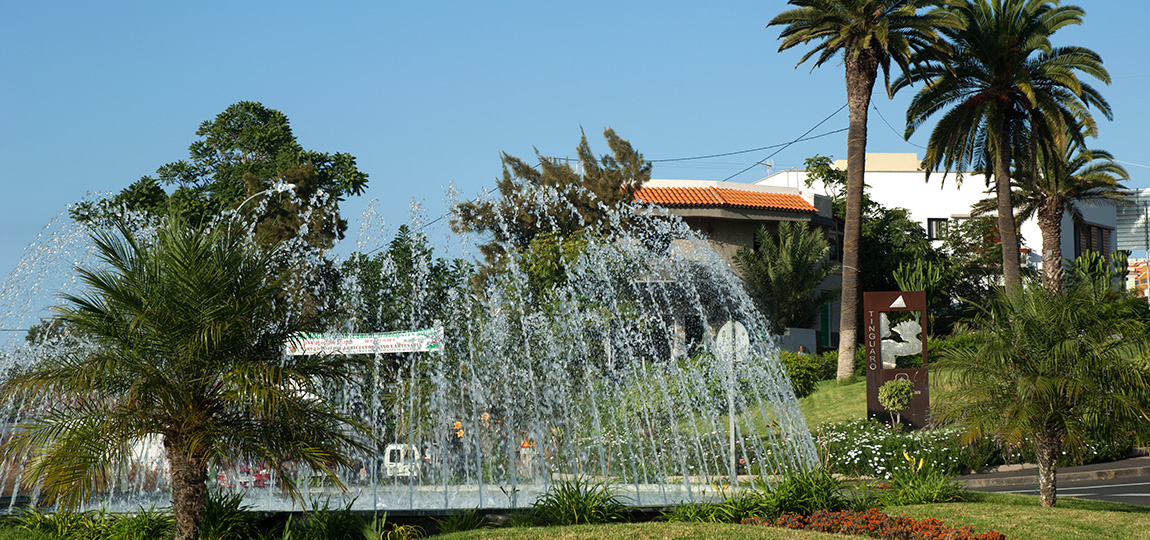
x=875, y=524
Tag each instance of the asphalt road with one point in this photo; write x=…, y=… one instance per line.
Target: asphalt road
x=1133, y=490
x=1126, y=481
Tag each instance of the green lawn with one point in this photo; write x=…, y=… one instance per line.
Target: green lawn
x=833, y=402
x=1018, y=517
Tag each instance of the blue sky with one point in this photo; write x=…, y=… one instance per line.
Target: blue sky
x=427, y=94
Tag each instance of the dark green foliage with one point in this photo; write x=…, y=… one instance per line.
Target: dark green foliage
x=401, y=288
x=1049, y=367
x=586, y=196
x=917, y=483
x=204, y=303
x=241, y=152
x=576, y=501
x=377, y=528
x=146, y=524
x=327, y=523
x=462, y=521
x=806, y=492
x=806, y=370
x=784, y=273
x=226, y=517
x=895, y=396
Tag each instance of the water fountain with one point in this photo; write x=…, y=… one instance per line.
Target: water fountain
x=614, y=375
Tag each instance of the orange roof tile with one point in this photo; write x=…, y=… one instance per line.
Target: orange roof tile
x=722, y=197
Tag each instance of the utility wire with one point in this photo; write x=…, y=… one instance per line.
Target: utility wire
x=811, y=138
x=799, y=138
x=895, y=131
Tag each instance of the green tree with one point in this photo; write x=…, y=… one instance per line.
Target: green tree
x=1072, y=174
x=244, y=151
x=870, y=34
x=1002, y=86
x=785, y=272
x=402, y=288
x=189, y=331
x=556, y=198
x=1047, y=368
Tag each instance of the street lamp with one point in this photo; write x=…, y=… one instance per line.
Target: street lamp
x=279, y=187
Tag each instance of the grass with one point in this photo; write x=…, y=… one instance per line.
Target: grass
x=644, y=531
x=832, y=401
x=1020, y=517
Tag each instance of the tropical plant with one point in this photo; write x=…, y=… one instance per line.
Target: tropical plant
x=187, y=331
x=918, y=483
x=870, y=34
x=576, y=501
x=785, y=271
x=1071, y=175
x=1003, y=87
x=1047, y=368
x=468, y=520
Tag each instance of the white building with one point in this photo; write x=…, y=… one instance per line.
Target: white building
x=898, y=181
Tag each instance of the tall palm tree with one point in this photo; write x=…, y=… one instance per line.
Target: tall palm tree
x=187, y=334
x=870, y=34
x=1047, y=368
x=1071, y=175
x=1003, y=86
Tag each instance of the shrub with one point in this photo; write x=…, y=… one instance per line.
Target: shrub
x=804, y=370
x=805, y=492
x=577, y=501
x=462, y=521
x=895, y=395
x=226, y=517
x=919, y=484
x=379, y=529
x=147, y=524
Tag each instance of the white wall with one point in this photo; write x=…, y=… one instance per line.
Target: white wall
x=895, y=181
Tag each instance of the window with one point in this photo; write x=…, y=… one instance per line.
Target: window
x=935, y=228
x=1094, y=238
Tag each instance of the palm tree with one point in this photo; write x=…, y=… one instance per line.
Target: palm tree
x=187, y=334
x=870, y=34
x=785, y=272
x=1047, y=368
x=1003, y=86
x=1071, y=175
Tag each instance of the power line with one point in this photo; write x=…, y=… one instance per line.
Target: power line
x=748, y=151
x=800, y=137
x=895, y=131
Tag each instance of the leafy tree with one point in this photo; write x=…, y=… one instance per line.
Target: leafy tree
x=189, y=331
x=1048, y=368
x=556, y=197
x=244, y=151
x=870, y=34
x=785, y=271
x=895, y=396
x=1070, y=175
x=1002, y=86
x=402, y=288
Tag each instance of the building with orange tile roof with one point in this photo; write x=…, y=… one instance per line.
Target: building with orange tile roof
x=728, y=214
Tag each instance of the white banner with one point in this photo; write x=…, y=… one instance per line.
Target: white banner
x=429, y=340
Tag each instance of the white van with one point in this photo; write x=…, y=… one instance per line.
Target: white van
x=402, y=461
